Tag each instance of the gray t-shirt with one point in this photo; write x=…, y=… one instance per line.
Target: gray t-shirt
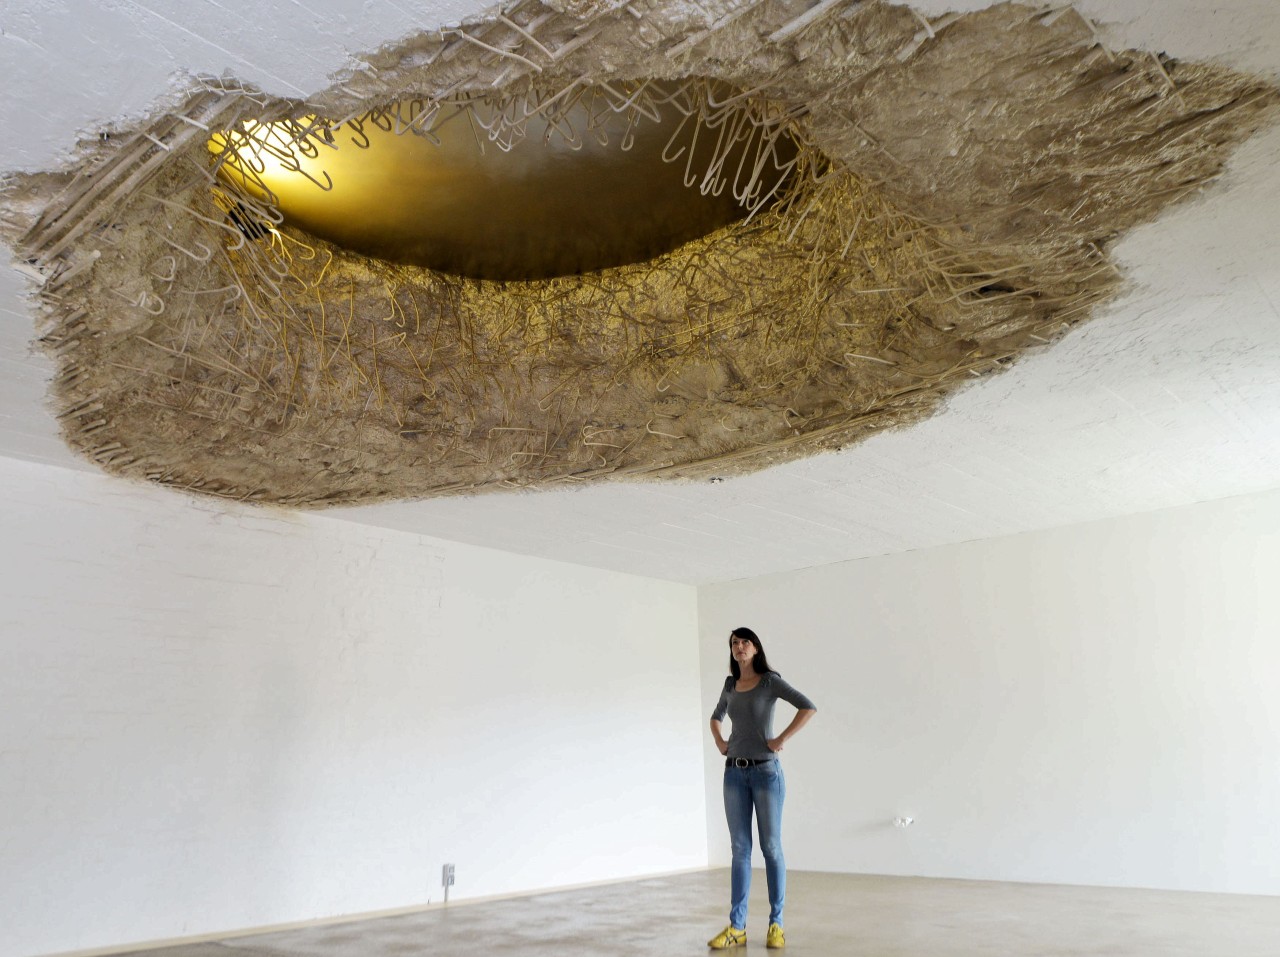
x=752, y=713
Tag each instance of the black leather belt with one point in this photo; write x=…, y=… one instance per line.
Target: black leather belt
x=746, y=762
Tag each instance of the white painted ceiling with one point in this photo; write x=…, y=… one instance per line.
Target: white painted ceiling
x=1169, y=397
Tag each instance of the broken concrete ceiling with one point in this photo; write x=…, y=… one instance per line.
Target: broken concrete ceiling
x=1176, y=419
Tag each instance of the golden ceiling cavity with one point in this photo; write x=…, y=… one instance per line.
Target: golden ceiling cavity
x=588, y=241
x=520, y=187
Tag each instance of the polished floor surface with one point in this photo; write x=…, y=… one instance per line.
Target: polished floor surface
x=827, y=914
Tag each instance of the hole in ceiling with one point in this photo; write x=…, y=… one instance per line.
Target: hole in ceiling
x=954, y=194
x=520, y=187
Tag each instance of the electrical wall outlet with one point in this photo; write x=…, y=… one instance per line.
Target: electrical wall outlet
x=446, y=876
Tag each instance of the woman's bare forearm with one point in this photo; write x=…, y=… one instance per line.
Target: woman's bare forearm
x=799, y=721
x=721, y=745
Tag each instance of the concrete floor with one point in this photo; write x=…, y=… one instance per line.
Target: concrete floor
x=827, y=914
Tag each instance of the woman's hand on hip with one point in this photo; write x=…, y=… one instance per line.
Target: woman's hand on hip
x=723, y=746
x=775, y=744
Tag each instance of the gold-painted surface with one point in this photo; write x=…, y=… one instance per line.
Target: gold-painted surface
x=596, y=184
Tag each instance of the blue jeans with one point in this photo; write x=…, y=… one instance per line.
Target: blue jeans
x=762, y=787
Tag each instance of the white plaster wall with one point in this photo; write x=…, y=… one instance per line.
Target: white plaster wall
x=1097, y=704
x=214, y=717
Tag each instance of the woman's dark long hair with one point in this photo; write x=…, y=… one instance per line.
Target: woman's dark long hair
x=759, y=662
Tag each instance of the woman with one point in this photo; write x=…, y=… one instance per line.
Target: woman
x=753, y=778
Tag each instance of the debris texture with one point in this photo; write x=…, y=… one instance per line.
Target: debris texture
x=957, y=187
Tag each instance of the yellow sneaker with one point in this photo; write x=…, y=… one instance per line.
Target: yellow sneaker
x=729, y=937
x=775, y=938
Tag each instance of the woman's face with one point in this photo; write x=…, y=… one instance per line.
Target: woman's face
x=742, y=649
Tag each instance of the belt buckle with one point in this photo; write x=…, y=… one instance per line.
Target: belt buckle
x=742, y=762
